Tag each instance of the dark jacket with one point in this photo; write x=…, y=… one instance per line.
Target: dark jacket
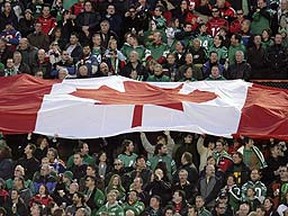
x=256, y=58
x=277, y=61
x=238, y=71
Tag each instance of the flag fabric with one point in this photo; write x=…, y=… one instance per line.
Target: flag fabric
x=67, y=4
x=101, y=107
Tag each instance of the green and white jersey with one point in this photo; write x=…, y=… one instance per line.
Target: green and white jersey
x=111, y=210
x=206, y=41
x=259, y=187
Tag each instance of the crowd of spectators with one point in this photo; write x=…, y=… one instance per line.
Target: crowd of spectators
x=187, y=174
x=149, y=40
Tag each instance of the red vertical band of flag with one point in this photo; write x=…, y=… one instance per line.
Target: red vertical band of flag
x=137, y=116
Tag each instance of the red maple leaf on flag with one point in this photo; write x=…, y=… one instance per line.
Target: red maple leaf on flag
x=140, y=94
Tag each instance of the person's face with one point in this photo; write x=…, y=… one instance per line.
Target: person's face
x=41, y=55
x=50, y=155
x=183, y=176
x=118, y=165
x=111, y=197
x=90, y=171
x=46, y=11
x=113, y=45
x=88, y=7
x=260, y=212
x=189, y=73
x=239, y=14
x=7, y=7
x=137, y=183
x=211, y=161
x=10, y=63
x=221, y=208
x=14, y=195
x=243, y=210
x=80, y=212
x=233, y=40
x=283, y=171
x=62, y=74
x=184, y=5
x=42, y=190
x=220, y=3
x=65, y=56
x=192, y=212
x=215, y=73
x=236, y=159
x=73, y=188
x=158, y=71
x=169, y=212
x=132, y=196
x=196, y=44
x=189, y=59
x=164, y=149
x=217, y=40
x=257, y=40
x=261, y=3
x=75, y=199
x=104, y=26
x=210, y=170
x=157, y=12
x=141, y=162
x=85, y=149
x=283, y=5
x=219, y=145
x=188, y=28
x=189, y=137
x=103, y=157
x=171, y=59
x=238, y=57
x=17, y=172
x=176, y=196
x=86, y=50
x=83, y=71
x=88, y=182
x=213, y=57
x=255, y=176
x=245, y=26
x=27, y=149
x=73, y=40
x=96, y=40
x=104, y=68
x=179, y=46
x=133, y=57
x=265, y=34
x=28, y=16
x=111, y=10
x=154, y=203
x=215, y=13
x=267, y=204
x=230, y=181
x=17, y=182
x=77, y=159
x=278, y=39
x=131, y=147
x=44, y=171
x=199, y=203
x=116, y=181
x=211, y=145
x=157, y=37
x=35, y=210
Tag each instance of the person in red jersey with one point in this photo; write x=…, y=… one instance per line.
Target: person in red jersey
x=216, y=22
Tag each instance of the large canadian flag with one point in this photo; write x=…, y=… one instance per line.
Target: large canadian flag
x=101, y=107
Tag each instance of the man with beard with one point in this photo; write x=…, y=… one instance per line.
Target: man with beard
x=78, y=202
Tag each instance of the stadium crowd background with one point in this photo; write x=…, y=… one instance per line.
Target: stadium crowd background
x=155, y=173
